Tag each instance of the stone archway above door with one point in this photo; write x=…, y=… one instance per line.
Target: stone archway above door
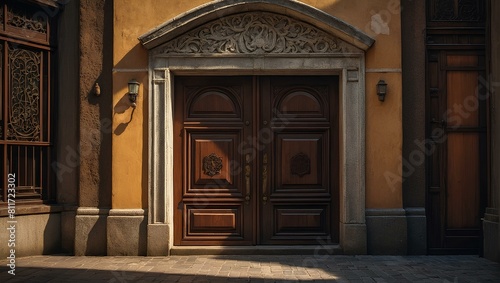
x=257, y=37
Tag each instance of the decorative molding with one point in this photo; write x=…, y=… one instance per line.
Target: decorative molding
x=24, y=114
x=22, y=20
x=300, y=164
x=415, y=211
x=128, y=212
x=217, y=9
x=392, y=212
x=92, y=211
x=384, y=70
x=125, y=70
x=352, y=75
x=212, y=164
x=255, y=33
x=461, y=11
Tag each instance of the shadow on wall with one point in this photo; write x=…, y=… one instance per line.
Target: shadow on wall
x=120, y=108
x=96, y=240
x=52, y=235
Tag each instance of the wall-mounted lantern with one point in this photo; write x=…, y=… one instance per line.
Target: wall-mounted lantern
x=381, y=90
x=133, y=91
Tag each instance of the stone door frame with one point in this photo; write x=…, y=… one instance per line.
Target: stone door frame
x=346, y=60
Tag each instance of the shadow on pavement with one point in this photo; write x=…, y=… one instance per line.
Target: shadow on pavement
x=39, y=275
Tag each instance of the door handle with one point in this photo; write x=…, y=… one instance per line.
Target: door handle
x=248, y=174
x=264, y=178
x=441, y=123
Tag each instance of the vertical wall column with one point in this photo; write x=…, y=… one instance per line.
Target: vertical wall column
x=66, y=167
x=413, y=62
x=352, y=151
x=94, y=152
x=491, y=230
x=160, y=199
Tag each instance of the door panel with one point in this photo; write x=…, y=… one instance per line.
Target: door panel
x=302, y=156
x=210, y=156
x=462, y=100
x=457, y=127
x=463, y=178
x=300, y=191
x=215, y=221
x=257, y=160
x=299, y=220
x=211, y=189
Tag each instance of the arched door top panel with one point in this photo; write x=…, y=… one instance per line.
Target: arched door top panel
x=319, y=31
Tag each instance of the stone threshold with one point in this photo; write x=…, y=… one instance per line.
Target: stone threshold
x=318, y=250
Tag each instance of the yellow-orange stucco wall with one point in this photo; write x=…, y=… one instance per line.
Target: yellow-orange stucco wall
x=379, y=19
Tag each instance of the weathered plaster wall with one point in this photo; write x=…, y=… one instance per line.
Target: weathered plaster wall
x=95, y=124
x=413, y=24
x=384, y=122
x=35, y=234
x=381, y=20
x=94, y=152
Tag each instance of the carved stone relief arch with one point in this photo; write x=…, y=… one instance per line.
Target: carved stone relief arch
x=257, y=37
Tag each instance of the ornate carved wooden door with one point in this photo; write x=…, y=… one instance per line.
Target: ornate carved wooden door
x=256, y=160
x=299, y=171
x=213, y=178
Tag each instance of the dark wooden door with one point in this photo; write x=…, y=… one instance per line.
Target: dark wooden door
x=212, y=186
x=299, y=163
x=456, y=124
x=256, y=160
x=457, y=127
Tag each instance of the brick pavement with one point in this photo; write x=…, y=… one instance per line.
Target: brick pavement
x=255, y=268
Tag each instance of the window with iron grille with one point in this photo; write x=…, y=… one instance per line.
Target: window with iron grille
x=26, y=52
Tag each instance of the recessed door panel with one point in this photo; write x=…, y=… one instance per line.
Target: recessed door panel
x=216, y=221
x=209, y=103
x=300, y=221
x=211, y=157
x=303, y=157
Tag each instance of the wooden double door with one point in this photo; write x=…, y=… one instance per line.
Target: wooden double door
x=256, y=160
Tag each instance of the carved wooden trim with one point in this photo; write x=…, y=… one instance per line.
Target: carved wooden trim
x=255, y=33
x=300, y=164
x=212, y=164
x=25, y=20
x=25, y=104
x=457, y=10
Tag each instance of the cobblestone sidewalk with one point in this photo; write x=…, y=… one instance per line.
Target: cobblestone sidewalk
x=264, y=268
